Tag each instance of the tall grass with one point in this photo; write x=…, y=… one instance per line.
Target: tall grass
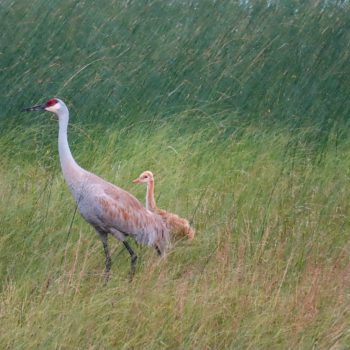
x=241, y=113
x=269, y=266
x=130, y=59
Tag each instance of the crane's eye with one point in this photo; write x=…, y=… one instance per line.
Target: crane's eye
x=51, y=102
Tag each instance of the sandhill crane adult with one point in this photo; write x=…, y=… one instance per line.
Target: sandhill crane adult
x=108, y=208
x=178, y=226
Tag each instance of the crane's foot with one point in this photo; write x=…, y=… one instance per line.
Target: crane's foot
x=133, y=267
x=107, y=270
x=106, y=277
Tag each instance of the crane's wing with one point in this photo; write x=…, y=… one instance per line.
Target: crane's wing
x=108, y=207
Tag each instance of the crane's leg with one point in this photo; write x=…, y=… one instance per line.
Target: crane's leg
x=133, y=259
x=104, y=239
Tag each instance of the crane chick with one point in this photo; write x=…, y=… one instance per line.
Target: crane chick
x=177, y=226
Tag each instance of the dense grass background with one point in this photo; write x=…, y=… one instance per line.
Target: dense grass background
x=241, y=111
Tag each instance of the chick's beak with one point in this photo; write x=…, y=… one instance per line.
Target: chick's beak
x=136, y=181
x=35, y=108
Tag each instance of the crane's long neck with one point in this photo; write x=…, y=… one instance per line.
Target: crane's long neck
x=150, y=202
x=71, y=170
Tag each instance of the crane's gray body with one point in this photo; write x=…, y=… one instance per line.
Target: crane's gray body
x=110, y=209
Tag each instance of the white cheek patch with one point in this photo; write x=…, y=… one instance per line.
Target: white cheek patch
x=53, y=108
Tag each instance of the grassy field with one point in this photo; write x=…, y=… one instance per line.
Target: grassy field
x=241, y=111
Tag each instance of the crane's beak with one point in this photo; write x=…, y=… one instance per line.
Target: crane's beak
x=136, y=181
x=35, y=108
